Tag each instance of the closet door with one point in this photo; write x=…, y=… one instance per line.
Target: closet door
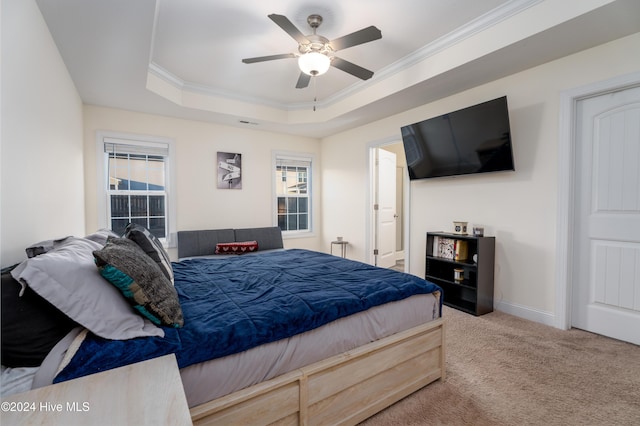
x=606, y=284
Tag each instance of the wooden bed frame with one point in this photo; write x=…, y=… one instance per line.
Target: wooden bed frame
x=342, y=390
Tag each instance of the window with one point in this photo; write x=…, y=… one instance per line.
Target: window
x=135, y=185
x=293, y=193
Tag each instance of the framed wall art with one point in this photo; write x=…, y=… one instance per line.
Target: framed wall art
x=229, y=170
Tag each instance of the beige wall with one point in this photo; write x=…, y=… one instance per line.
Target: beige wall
x=518, y=208
x=200, y=205
x=48, y=175
x=42, y=189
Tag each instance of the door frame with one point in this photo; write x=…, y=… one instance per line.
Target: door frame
x=566, y=185
x=370, y=222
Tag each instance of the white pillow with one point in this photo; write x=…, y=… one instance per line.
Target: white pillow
x=68, y=278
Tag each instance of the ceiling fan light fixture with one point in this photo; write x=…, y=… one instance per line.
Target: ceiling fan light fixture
x=314, y=63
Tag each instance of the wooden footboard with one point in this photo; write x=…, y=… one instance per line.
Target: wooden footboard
x=341, y=390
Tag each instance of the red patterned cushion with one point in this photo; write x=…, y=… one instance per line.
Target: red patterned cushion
x=237, y=248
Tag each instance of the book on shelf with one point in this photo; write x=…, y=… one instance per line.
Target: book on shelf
x=446, y=248
x=461, y=250
x=450, y=248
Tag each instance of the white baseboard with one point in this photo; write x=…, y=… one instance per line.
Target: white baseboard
x=526, y=312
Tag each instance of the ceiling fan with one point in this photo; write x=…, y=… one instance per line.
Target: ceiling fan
x=316, y=53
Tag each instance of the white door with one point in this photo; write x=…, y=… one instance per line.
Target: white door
x=606, y=270
x=386, y=214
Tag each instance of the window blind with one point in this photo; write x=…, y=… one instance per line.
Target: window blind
x=292, y=162
x=140, y=147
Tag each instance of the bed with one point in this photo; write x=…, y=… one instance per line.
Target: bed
x=301, y=358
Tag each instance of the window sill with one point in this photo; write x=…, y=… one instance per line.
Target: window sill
x=287, y=235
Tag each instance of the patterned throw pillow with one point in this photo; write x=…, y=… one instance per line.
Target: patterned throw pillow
x=151, y=246
x=123, y=263
x=237, y=248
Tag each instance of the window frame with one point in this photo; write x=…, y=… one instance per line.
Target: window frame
x=295, y=157
x=142, y=141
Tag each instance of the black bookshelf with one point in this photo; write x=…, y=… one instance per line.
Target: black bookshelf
x=472, y=292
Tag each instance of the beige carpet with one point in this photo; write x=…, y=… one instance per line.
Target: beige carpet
x=503, y=370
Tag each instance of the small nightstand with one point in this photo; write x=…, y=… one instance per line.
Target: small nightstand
x=343, y=247
x=145, y=393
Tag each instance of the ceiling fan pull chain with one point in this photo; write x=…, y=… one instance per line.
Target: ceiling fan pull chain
x=315, y=93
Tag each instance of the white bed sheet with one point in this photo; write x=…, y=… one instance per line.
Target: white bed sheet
x=207, y=381
x=16, y=380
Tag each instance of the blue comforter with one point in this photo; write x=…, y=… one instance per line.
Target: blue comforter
x=234, y=303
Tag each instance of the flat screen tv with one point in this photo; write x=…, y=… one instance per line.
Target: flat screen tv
x=476, y=139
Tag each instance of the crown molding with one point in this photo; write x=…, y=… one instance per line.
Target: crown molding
x=473, y=27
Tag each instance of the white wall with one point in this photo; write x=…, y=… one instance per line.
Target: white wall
x=200, y=205
x=519, y=208
x=41, y=152
x=44, y=150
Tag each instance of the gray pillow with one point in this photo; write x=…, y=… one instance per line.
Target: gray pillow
x=151, y=246
x=67, y=277
x=43, y=247
x=124, y=264
x=101, y=235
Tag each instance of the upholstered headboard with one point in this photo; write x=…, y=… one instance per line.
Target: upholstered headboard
x=203, y=242
x=268, y=238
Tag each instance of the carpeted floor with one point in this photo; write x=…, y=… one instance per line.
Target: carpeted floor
x=503, y=370
x=399, y=266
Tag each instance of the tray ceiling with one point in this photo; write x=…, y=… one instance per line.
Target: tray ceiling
x=183, y=58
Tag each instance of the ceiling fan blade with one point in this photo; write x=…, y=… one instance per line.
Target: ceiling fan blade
x=351, y=68
x=303, y=81
x=284, y=23
x=268, y=58
x=365, y=35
